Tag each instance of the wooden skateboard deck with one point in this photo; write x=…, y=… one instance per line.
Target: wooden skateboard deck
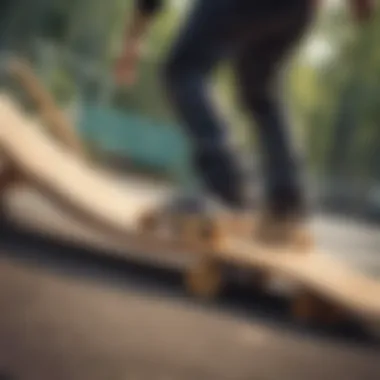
x=328, y=288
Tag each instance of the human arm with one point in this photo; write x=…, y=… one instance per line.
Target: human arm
x=143, y=15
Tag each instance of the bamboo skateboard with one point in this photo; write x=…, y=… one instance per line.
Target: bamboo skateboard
x=328, y=290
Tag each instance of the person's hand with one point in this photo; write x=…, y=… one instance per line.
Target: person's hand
x=127, y=63
x=362, y=9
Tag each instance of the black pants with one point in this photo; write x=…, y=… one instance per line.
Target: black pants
x=257, y=35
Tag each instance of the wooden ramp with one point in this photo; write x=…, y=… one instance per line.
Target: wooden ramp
x=56, y=121
x=85, y=191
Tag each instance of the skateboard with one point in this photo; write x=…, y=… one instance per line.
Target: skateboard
x=323, y=286
x=326, y=289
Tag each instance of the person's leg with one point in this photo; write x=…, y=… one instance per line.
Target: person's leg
x=211, y=33
x=259, y=69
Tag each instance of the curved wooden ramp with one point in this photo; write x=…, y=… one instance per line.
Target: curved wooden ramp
x=52, y=115
x=89, y=194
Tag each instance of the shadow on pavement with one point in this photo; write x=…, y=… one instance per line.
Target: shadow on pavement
x=101, y=266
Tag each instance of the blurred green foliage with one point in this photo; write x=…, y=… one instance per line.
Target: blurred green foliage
x=334, y=81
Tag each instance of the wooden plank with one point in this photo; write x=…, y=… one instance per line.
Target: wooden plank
x=89, y=194
x=51, y=114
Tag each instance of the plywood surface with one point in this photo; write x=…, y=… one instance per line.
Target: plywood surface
x=91, y=194
x=55, y=119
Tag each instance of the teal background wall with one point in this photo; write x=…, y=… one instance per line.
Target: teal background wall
x=135, y=138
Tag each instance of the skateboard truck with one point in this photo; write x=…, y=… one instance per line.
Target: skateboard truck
x=193, y=229
x=204, y=279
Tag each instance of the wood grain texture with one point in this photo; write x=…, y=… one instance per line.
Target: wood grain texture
x=91, y=195
x=50, y=113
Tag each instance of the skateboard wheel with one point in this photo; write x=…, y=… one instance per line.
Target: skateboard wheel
x=8, y=177
x=309, y=308
x=204, y=280
x=305, y=308
x=149, y=222
x=331, y=315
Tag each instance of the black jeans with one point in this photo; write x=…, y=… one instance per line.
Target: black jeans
x=257, y=35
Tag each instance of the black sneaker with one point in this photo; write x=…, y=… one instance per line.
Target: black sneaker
x=283, y=219
x=285, y=202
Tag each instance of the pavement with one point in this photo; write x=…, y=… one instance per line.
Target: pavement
x=69, y=314
x=57, y=324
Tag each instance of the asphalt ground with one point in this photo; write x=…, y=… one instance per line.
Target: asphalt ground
x=74, y=311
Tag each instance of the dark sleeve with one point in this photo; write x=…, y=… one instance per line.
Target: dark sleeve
x=149, y=6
